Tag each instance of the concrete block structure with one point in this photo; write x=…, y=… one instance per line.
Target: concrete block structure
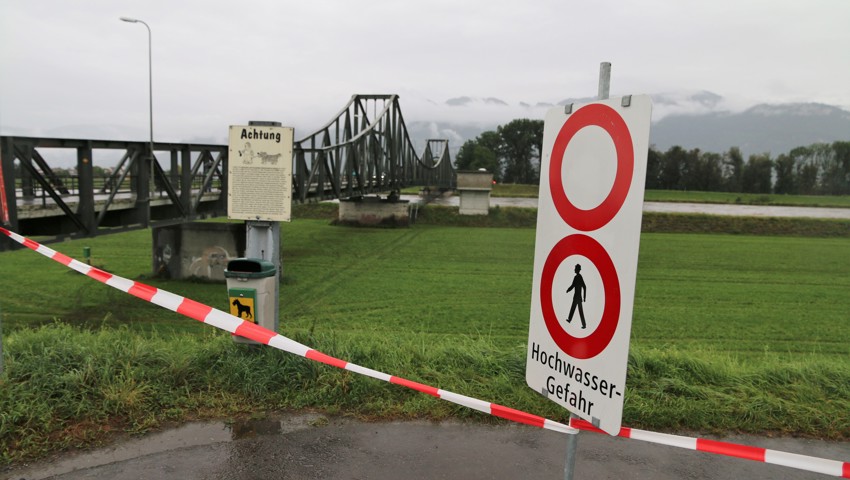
x=474, y=188
x=197, y=249
x=374, y=211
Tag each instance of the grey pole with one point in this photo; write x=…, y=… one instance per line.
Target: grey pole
x=604, y=80
x=150, y=108
x=572, y=440
x=262, y=240
x=572, y=446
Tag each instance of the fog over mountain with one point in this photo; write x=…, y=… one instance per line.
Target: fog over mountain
x=773, y=129
x=700, y=119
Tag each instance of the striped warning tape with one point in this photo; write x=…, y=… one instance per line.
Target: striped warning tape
x=793, y=460
x=237, y=326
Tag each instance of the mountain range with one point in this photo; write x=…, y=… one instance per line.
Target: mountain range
x=702, y=120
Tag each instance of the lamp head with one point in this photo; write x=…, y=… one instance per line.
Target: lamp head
x=128, y=19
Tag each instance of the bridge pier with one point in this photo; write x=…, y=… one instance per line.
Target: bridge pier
x=374, y=211
x=474, y=188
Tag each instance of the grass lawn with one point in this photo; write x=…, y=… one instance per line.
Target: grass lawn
x=730, y=332
x=740, y=294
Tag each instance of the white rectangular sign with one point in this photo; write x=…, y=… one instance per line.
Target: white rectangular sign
x=592, y=175
x=259, y=173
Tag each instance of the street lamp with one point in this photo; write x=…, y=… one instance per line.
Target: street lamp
x=150, y=99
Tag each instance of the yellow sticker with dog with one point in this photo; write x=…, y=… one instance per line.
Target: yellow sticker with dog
x=242, y=306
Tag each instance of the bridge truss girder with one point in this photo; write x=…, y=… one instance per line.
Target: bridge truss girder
x=87, y=203
x=366, y=149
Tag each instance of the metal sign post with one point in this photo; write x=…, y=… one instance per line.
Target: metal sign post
x=572, y=440
x=260, y=189
x=572, y=446
x=604, y=80
x=262, y=240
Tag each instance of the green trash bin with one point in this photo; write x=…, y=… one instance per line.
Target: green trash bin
x=250, y=292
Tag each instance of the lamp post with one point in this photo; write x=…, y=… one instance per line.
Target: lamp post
x=150, y=102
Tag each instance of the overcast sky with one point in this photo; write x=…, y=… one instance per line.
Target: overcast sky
x=73, y=69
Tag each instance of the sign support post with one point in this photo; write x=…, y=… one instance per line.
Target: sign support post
x=260, y=190
x=572, y=446
x=262, y=240
x=572, y=440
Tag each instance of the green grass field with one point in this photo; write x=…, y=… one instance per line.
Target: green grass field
x=743, y=293
x=730, y=333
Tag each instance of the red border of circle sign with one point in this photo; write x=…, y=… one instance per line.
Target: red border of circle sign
x=596, y=342
x=609, y=120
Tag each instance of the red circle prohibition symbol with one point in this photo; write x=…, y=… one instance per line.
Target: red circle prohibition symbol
x=596, y=342
x=609, y=120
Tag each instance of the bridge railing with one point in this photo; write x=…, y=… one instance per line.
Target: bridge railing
x=69, y=187
x=86, y=202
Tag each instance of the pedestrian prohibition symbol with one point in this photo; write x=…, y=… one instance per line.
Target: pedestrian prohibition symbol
x=592, y=175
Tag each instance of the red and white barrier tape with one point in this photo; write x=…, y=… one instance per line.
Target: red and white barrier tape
x=793, y=460
x=237, y=326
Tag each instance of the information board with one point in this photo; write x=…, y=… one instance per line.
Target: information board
x=259, y=173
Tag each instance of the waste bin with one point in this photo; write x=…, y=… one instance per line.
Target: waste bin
x=250, y=290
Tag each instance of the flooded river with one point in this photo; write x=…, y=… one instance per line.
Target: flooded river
x=669, y=207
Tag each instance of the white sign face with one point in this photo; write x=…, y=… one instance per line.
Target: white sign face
x=259, y=173
x=592, y=175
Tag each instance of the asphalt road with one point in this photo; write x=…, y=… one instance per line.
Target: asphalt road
x=314, y=447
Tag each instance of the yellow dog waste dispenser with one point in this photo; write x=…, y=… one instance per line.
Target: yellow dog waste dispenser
x=250, y=287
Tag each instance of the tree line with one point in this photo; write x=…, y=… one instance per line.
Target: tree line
x=818, y=169
x=512, y=154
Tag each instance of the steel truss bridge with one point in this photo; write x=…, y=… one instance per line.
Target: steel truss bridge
x=364, y=149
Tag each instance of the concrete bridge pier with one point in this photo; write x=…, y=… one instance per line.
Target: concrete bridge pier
x=474, y=188
x=375, y=211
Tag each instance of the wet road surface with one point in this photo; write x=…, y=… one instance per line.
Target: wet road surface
x=311, y=446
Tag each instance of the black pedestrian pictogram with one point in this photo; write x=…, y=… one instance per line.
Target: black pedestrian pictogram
x=579, y=296
x=240, y=309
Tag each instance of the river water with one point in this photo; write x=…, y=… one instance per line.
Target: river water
x=669, y=207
